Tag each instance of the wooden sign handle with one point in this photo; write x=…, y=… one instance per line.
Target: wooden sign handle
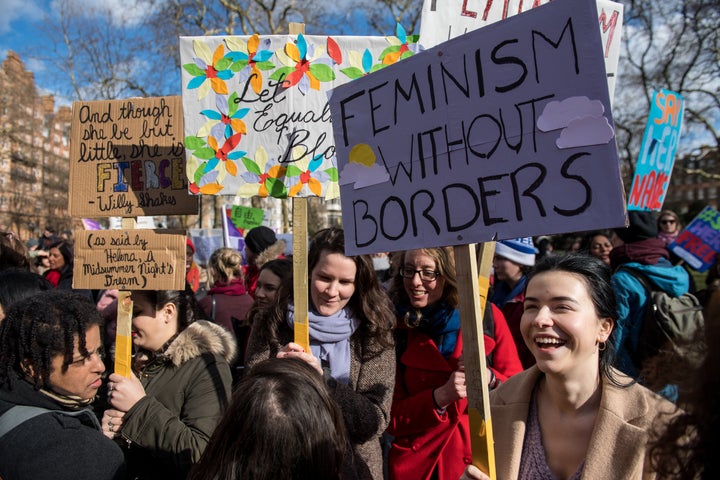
x=473, y=300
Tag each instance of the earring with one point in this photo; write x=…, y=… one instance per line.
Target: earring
x=602, y=346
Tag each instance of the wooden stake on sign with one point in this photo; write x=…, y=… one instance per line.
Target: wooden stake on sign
x=473, y=290
x=300, y=258
x=123, y=332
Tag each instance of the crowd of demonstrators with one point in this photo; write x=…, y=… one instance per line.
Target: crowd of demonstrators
x=512, y=261
x=378, y=363
x=261, y=246
x=350, y=328
x=572, y=415
x=282, y=423
x=165, y=413
x=429, y=419
x=51, y=368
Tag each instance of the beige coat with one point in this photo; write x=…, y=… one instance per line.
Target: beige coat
x=618, y=446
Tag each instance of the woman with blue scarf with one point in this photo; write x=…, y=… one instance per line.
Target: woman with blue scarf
x=429, y=419
x=351, y=343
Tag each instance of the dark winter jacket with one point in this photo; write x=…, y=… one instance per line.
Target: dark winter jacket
x=55, y=446
x=188, y=388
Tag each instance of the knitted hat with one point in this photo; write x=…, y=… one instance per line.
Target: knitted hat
x=642, y=226
x=260, y=238
x=519, y=250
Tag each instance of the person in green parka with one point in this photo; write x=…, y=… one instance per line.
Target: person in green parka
x=167, y=410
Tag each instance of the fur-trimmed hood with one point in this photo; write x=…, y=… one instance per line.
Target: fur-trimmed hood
x=198, y=338
x=271, y=253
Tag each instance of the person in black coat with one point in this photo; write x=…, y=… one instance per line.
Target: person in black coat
x=51, y=358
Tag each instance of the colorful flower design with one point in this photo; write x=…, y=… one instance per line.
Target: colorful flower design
x=226, y=120
x=250, y=59
x=305, y=65
x=264, y=177
x=304, y=171
x=361, y=64
x=213, y=153
x=401, y=46
x=201, y=182
x=209, y=70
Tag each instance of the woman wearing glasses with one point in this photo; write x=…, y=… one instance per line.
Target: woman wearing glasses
x=668, y=226
x=429, y=419
x=351, y=344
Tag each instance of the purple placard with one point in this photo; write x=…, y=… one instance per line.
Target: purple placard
x=503, y=132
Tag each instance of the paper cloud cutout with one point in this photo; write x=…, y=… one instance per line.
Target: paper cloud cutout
x=363, y=176
x=560, y=114
x=586, y=131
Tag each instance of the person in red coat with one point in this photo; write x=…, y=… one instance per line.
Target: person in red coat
x=429, y=418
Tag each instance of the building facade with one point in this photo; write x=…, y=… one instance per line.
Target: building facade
x=34, y=154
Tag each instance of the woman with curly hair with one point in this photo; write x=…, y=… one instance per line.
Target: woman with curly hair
x=350, y=323
x=51, y=362
x=181, y=382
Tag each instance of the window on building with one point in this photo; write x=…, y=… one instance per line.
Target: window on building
x=701, y=194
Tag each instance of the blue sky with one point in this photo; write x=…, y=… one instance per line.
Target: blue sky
x=23, y=30
x=20, y=31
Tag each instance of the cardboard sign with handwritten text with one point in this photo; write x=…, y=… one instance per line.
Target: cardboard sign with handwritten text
x=127, y=159
x=129, y=259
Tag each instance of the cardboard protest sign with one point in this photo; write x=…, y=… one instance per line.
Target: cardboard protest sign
x=448, y=19
x=130, y=259
x=699, y=242
x=657, y=152
x=127, y=159
x=257, y=121
x=500, y=133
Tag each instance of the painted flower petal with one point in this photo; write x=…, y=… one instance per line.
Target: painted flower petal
x=196, y=82
x=334, y=50
x=400, y=33
x=218, y=54
x=221, y=103
x=218, y=130
x=295, y=189
x=253, y=43
x=238, y=126
x=237, y=44
x=367, y=60
x=250, y=177
x=302, y=46
x=263, y=56
x=291, y=50
x=315, y=187
x=211, y=164
x=211, y=114
x=203, y=90
x=231, y=168
x=202, y=50
x=219, y=86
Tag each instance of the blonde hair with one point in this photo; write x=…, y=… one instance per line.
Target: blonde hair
x=227, y=264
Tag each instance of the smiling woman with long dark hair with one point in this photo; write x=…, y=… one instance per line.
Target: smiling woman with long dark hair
x=350, y=323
